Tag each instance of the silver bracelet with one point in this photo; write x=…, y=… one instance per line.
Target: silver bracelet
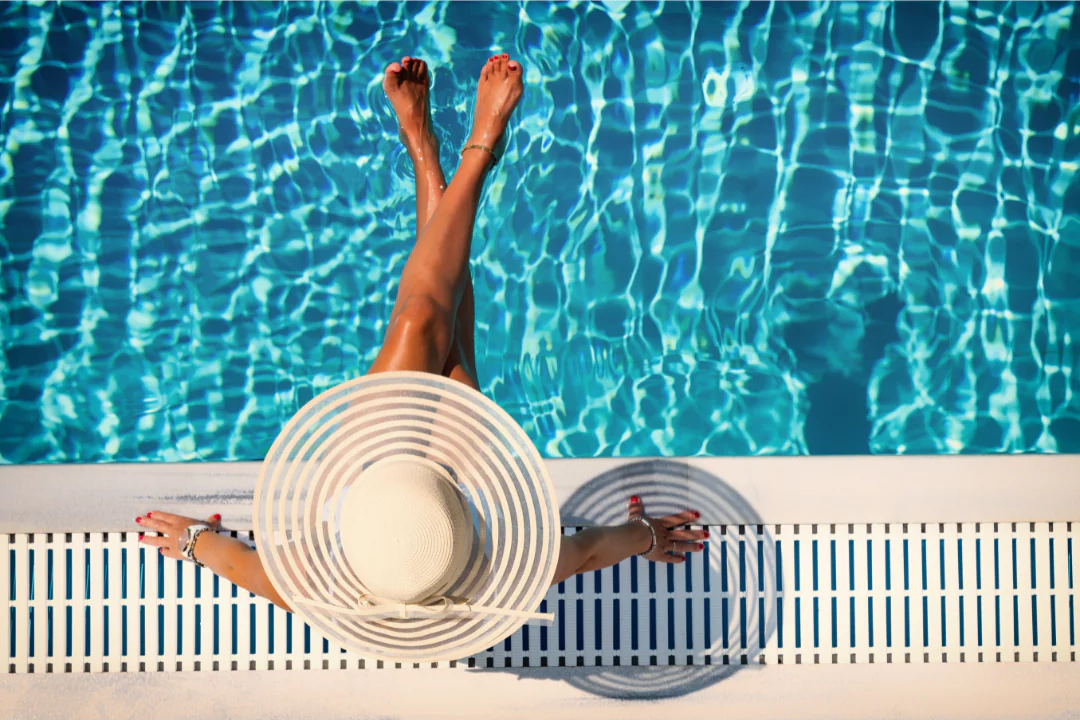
x=652, y=531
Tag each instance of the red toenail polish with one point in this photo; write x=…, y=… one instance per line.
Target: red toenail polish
x=635, y=499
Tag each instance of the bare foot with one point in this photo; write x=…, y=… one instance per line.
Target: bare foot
x=407, y=86
x=500, y=89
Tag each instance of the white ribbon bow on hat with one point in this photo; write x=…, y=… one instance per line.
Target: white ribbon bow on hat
x=429, y=608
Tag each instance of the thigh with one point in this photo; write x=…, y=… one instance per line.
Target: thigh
x=461, y=362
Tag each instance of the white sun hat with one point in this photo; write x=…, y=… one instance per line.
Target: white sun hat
x=407, y=517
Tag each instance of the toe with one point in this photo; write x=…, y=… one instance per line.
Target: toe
x=513, y=66
x=393, y=69
x=405, y=60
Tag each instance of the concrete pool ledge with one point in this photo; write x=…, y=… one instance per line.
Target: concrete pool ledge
x=769, y=490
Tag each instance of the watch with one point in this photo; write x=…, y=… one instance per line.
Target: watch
x=187, y=539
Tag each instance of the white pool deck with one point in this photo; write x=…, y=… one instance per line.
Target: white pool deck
x=774, y=491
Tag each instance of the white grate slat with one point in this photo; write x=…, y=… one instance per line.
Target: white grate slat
x=62, y=660
x=934, y=593
x=878, y=594
x=861, y=593
x=1059, y=536
x=950, y=564
x=842, y=638
x=1074, y=586
x=1042, y=591
x=1024, y=595
x=95, y=602
x=39, y=605
x=969, y=594
x=207, y=604
x=113, y=605
x=829, y=584
x=185, y=610
x=988, y=595
x=22, y=605
x=78, y=567
x=7, y=624
x=132, y=602
x=1007, y=581
x=170, y=605
x=806, y=649
x=898, y=593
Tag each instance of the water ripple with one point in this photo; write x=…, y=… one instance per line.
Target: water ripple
x=719, y=228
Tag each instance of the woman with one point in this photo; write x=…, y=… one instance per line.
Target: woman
x=431, y=326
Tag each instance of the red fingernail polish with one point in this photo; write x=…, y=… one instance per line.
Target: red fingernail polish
x=138, y=519
x=161, y=550
x=697, y=515
x=701, y=546
x=706, y=535
x=634, y=499
x=149, y=514
x=217, y=516
x=140, y=536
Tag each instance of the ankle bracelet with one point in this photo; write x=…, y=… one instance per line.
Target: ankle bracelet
x=485, y=148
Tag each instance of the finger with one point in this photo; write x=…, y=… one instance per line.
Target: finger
x=688, y=535
x=214, y=521
x=158, y=541
x=683, y=518
x=687, y=547
x=671, y=559
x=637, y=508
x=157, y=522
x=166, y=517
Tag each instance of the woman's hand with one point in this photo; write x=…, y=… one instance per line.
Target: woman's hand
x=169, y=528
x=671, y=543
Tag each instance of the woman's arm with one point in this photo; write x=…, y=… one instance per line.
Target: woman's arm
x=600, y=547
x=237, y=562
x=228, y=557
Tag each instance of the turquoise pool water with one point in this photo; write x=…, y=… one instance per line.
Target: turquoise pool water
x=726, y=229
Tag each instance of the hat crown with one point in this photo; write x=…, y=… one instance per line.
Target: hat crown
x=405, y=530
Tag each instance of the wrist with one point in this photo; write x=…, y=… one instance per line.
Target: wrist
x=191, y=544
x=642, y=537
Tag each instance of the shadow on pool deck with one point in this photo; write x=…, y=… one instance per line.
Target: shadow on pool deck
x=664, y=486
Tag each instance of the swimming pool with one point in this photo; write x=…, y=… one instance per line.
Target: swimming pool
x=720, y=229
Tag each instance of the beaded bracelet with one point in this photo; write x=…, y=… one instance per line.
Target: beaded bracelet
x=652, y=531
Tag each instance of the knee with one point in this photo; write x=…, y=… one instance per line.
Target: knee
x=422, y=318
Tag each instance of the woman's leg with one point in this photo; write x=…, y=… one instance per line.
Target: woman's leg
x=434, y=299
x=412, y=77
